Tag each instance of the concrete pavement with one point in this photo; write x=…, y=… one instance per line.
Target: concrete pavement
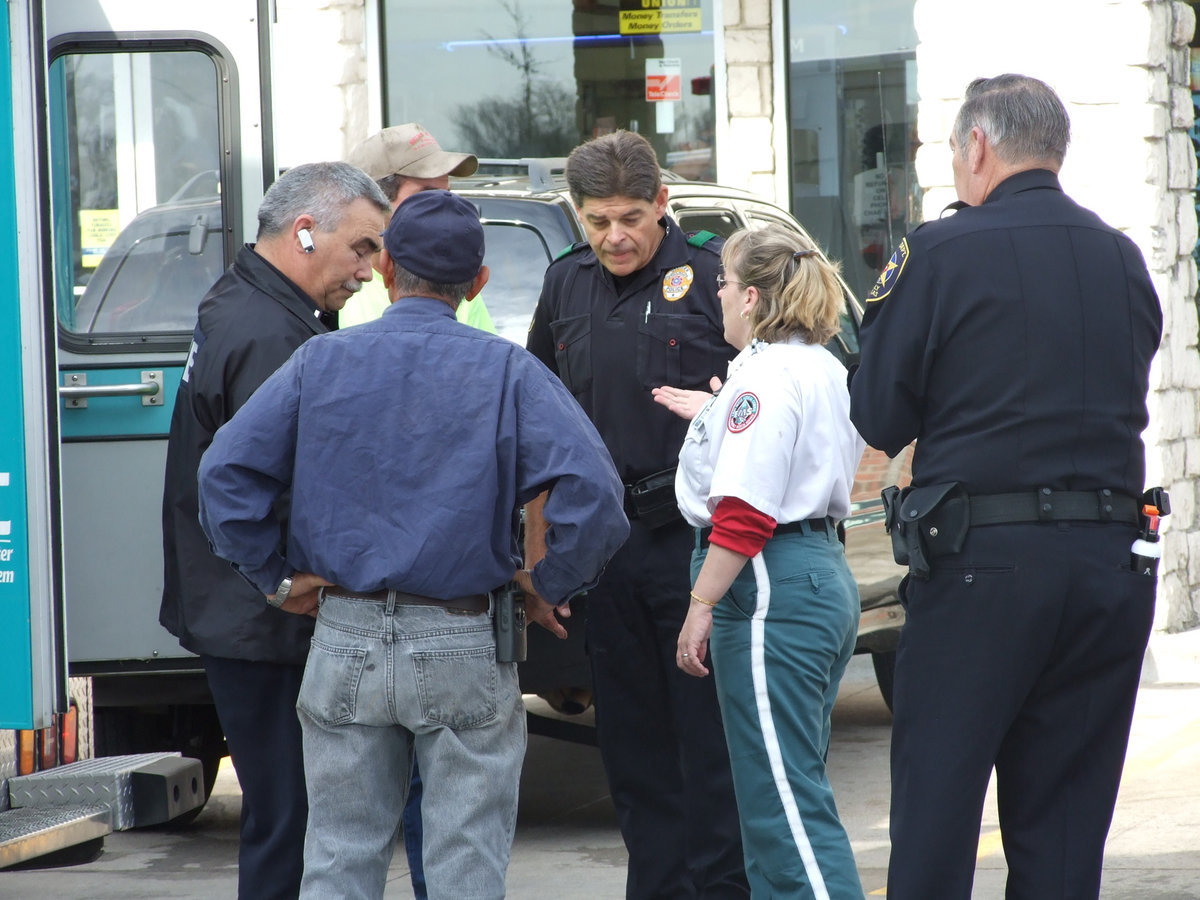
x=568, y=847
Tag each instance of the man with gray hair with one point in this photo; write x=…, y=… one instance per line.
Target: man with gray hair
x=1013, y=341
x=318, y=227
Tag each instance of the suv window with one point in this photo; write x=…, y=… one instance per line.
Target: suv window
x=138, y=217
x=720, y=222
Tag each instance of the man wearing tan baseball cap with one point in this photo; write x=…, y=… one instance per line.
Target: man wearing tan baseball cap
x=410, y=151
x=403, y=160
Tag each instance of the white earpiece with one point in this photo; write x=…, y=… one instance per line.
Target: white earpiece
x=306, y=241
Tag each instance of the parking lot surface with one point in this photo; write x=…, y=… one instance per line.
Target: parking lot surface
x=568, y=847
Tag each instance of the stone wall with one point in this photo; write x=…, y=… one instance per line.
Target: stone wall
x=319, y=70
x=748, y=157
x=1177, y=382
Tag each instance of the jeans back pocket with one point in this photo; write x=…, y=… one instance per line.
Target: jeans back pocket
x=457, y=688
x=329, y=689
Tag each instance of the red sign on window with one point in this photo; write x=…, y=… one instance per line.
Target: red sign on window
x=663, y=87
x=663, y=80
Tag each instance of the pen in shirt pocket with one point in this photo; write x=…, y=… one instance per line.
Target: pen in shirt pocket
x=646, y=318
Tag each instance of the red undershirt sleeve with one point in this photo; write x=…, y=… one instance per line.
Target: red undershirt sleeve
x=739, y=527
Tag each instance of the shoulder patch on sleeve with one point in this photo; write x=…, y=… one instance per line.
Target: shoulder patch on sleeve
x=571, y=248
x=891, y=273
x=701, y=238
x=743, y=412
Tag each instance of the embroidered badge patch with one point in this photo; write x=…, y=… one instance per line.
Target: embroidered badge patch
x=743, y=412
x=891, y=273
x=677, y=282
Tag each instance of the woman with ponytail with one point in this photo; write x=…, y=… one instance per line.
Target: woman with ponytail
x=765, y=475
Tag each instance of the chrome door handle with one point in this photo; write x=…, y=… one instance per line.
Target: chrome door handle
x=76, y=391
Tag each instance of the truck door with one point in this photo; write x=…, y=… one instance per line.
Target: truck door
x=32, y=671
x=156, y=145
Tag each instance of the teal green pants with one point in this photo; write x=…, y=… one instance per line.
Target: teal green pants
x=781, y=639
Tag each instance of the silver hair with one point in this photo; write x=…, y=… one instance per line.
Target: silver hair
x=409, y=284
x=322, y=190
x=1023, y=118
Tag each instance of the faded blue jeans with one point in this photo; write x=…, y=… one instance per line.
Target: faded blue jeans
x=385, y=681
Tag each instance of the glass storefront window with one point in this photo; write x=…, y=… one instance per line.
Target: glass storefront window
x=852, y=117
x=506, y=79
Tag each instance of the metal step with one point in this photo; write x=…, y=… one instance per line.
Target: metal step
x=138, y=790
x=29, y=833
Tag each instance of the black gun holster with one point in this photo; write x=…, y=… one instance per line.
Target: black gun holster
x=652, y=500
x=925, y=523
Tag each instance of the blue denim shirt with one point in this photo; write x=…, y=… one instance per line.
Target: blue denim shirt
x=410, y=444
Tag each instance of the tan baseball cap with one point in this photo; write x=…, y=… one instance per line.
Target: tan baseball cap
x=410, y=150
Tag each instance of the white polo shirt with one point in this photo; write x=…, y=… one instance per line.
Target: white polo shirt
x=777, y=436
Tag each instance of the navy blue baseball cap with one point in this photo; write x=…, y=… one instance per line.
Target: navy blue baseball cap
x=437, y=236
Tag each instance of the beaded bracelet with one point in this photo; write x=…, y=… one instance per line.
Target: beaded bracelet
x=702, y=600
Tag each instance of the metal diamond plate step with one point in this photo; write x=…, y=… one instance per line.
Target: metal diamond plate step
x=29, y=833
x=142, y=789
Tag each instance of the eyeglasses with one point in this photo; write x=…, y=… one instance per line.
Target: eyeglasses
x=722, y=281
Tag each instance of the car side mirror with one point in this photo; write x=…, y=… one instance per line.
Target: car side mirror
x=198, y=235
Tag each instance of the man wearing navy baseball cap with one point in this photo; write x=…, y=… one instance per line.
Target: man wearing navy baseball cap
x=397, y=554
x=436, y=238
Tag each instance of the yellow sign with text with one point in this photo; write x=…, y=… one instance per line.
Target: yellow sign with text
x=660, y=16
x=98, y=228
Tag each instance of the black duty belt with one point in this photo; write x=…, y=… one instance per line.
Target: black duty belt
x=807, y=526
x=651, y=500
x=472, y=603
x=1046, y=505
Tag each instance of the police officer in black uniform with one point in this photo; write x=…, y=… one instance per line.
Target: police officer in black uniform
x=633, y=309
x=1013, y=341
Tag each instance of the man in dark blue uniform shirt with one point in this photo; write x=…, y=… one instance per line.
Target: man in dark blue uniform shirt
x=409, y=445
x=632, y=309
x=1013, y=341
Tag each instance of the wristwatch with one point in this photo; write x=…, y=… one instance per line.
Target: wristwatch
x=281, y=593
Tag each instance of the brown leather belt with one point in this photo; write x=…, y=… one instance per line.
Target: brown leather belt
x=472, y=603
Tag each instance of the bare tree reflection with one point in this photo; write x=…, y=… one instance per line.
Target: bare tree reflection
x=537, y=120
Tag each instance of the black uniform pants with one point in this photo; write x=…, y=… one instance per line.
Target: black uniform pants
x=1022, y=652
x=659, y=730
x=256, y=703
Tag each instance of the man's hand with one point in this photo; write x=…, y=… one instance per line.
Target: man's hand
x=538, y=610
x=685, y=404
x=305, y=594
